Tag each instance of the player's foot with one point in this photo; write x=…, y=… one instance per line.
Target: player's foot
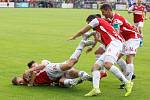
x=128, y=88
x=122, y=86
x=133, y=77
x=86, y=77
x=141, y=42
x=89, y=42
x=93, y=92
x=75, y=82
x=87, y=35
x=103, y=74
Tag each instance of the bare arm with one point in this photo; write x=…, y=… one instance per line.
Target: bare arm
x=130, y=10
x=31, y=82
x=81, y=32
x=40, y=67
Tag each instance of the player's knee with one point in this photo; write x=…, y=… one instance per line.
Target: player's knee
x=95, y=67
x=130, y=59
x=108, y=65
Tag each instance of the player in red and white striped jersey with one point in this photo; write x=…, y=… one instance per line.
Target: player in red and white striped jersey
x=138, y=11
x=113, y=42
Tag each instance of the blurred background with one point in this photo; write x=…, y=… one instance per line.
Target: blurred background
x=84, y=4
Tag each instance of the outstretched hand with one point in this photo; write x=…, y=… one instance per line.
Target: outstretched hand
x=72, y=38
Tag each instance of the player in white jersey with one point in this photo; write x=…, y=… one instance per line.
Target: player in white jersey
x=47, y=72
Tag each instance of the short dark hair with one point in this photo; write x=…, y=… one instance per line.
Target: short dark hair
x=30, y=63
x=93, y=16
x=106, y=7
x=14, y=81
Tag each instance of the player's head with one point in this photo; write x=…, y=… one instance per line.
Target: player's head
x=91, y=17
x=32, y=64
x=18, y=81
x=106, y=10
x=139, y=2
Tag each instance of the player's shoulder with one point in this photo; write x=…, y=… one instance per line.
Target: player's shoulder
x=119, y=17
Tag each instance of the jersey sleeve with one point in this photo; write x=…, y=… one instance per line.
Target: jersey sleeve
x=94, y=23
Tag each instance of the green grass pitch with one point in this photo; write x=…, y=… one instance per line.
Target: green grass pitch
x=27, y=34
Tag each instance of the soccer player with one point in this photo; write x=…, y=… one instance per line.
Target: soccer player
x=138, y=11
x=113, y=42
x=46, y=72
x=129, y=33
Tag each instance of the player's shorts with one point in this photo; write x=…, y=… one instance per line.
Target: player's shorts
x=111, y=53
x=130, y=46
x=139, y=24
x=53, y=70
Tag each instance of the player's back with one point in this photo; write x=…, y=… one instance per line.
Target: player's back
x=126, y=29
x=108, y=33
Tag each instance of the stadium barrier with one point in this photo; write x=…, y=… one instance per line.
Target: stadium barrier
x=22, y=5
x=67, y=5
x=7, y=5
x=121, y=7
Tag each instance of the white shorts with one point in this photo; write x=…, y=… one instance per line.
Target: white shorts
x=139, y=24
x=53, y=70
x=111, y=53
x=130, y=46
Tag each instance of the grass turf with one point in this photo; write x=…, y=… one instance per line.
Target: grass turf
x=27, y=34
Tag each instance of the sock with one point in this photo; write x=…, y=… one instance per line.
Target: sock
x=96, y=79
x=82, y=74
x=76, y=54
x=130, y=71
x=67, y=82
x=118, y=73
x=122, y=65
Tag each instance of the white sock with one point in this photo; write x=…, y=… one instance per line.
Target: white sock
x=118, y=73
x=130, y=71
x=67, y=82
x=96, y=79
x=82, y=74
x=78, y=51
x=122, y=65
x=76, y=54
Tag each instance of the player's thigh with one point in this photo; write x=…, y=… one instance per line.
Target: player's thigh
x=72, y=73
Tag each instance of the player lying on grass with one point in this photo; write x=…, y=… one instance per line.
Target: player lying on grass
x=47, y=73
x=113, y=42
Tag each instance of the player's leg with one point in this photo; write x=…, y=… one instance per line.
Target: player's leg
x=96, y=79
x=131, y=50
x=98, y=53
x=130, y=66
x=74, y=73
x=140, y=26
x=111, y=56
x=64, y=82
